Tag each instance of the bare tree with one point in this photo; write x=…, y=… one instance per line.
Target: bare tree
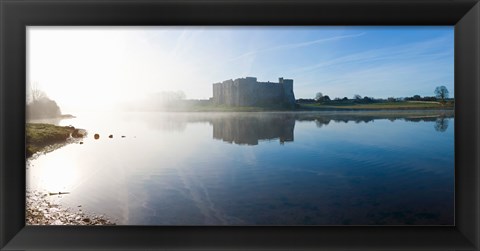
x=35, y=93
x=318, y=96
x=441, y=92
x=357, y=97
x=179, y=95
x=39, y=105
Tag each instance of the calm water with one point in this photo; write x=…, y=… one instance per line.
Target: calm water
x=257, y=168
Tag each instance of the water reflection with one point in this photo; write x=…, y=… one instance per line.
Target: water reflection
x=334, y=168
x=441, y=124
x=250, y=128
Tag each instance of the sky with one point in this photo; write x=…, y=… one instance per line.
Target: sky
x=98, y=68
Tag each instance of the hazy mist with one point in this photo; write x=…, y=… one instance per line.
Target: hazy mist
x=105, y=68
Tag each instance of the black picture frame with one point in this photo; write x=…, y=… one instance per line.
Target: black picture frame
x=15, y=15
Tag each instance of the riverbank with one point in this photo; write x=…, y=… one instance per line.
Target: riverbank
x=41, y=211
x=401, y=105
x=326, y=106
x=42, y=137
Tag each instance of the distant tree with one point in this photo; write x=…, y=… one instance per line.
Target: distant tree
x=391, y=99
x=429, y=98
x=169, y=96
x=42, y=107
x=345, y=99
x=417, y=97
x=367, y=99
x=318, y=96
x=36, y=93
x=326, y=98
x=337, y=99
x=306, y=100
x=441, y=92
x=39, y=105
x=357, y=97
x=179, y=95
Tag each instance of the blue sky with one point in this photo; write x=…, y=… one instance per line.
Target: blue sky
x=125, y=62
x=341, y=61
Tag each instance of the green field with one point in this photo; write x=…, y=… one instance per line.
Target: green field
x=403, y=105
x=223, y=108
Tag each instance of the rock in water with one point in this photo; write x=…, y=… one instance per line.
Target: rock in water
x=79, y=133
x=110, y=136
x=96, y=136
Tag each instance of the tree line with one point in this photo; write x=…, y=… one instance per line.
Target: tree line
x=40, y=106
x=441, y=95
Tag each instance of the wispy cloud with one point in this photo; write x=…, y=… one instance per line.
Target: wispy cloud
x=381, y=72
x=295, y=45
x=185, y=43
x=414, y=50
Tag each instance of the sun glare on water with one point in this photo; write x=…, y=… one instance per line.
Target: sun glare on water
x=58, y=174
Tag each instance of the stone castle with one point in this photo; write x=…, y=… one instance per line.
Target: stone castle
x=248, y=92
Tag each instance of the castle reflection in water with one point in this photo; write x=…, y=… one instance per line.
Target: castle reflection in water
x=249, y=128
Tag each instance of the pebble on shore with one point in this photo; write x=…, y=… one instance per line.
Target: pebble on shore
x=40, y=211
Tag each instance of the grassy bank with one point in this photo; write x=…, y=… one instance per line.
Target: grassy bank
x=224, y=108
x=404, y=105
x=328, y=106
x=41, y=136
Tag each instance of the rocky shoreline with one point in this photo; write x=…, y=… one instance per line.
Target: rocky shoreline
x=41, y=211
x=40, y=208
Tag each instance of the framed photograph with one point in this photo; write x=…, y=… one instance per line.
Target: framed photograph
x=240, y=125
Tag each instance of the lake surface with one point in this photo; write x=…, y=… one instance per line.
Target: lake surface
x=282, y=168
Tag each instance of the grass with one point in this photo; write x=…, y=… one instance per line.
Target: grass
x=40, y=136
x=331, y=105
x=404, y=105
x=224, y=108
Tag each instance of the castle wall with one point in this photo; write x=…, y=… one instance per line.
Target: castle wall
x=289, y=96
x=249, y=92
